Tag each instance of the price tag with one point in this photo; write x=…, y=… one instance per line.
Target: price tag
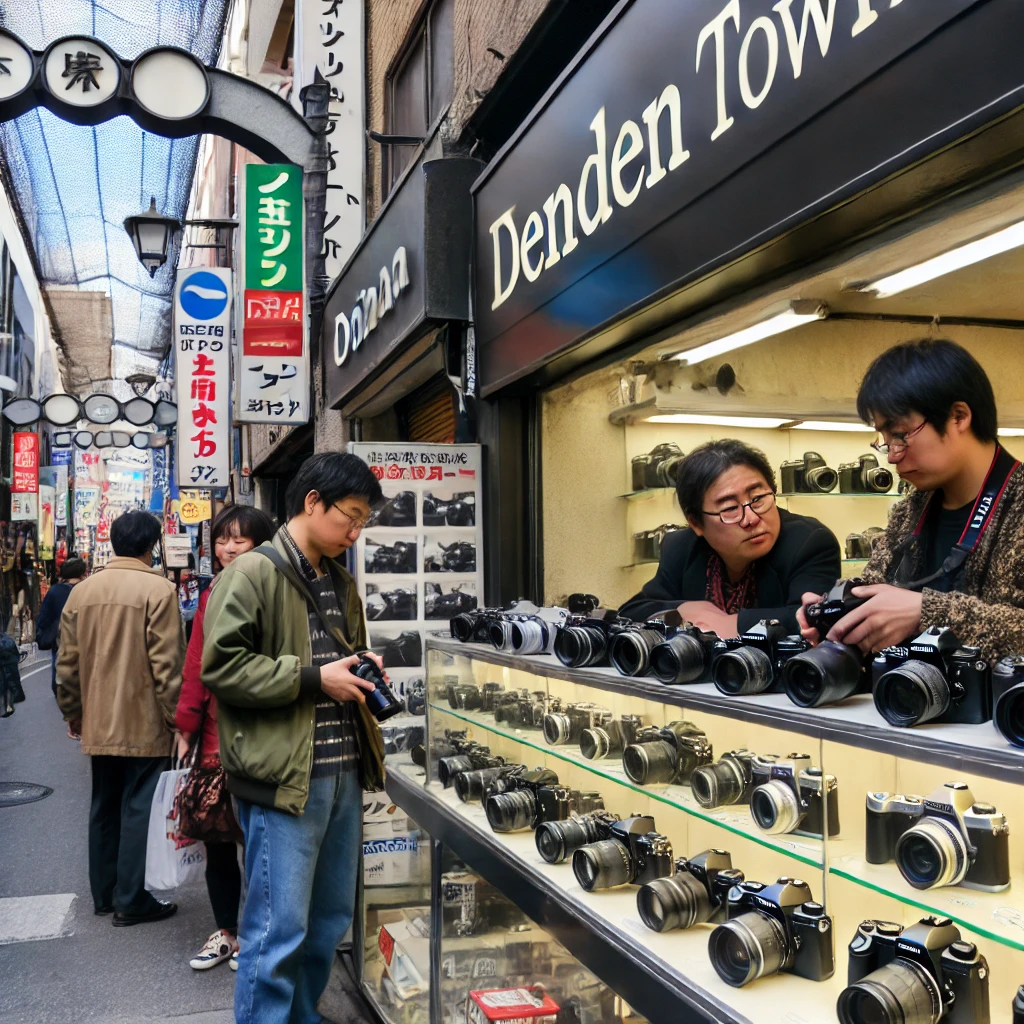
x=386, y=945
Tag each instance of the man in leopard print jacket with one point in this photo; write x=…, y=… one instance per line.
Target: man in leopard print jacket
x=934, y=407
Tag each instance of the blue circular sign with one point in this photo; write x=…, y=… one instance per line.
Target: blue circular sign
x=203, y=296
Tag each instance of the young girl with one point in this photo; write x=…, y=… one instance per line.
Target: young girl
x=237, y=529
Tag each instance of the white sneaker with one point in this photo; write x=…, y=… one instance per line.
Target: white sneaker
x=234, y=961
x=218, y=948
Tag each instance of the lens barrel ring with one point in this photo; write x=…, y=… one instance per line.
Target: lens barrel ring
x=912, y=694
x=899, y=992
x=747, y=947
x=929, y=844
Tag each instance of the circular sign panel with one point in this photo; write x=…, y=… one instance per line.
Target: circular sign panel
x=203, y=296
x=81, y=71
x=15, y=66
x=170, y=83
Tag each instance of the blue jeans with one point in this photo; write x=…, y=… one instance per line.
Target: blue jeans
x=300, y=898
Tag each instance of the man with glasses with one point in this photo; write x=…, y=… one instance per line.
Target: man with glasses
x=283, y=628
x=953, y=552
x=743, y=558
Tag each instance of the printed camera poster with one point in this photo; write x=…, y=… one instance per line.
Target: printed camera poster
x=419, y=562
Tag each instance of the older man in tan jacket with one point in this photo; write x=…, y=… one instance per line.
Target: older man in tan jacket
x=118, y=677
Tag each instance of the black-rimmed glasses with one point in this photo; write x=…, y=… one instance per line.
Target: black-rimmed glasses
x=357, y=523
x=897, y=447
x=733, y=514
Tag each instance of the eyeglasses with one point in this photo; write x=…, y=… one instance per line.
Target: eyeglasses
x=897, y=447
x=733, y=514
x=357, y=523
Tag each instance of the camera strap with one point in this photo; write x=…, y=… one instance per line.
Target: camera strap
x=982, y=514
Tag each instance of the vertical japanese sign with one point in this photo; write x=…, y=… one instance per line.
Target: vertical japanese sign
x=47, y=511
x=202, y=336
x=329, y=36
x=273, y=371
x=26, y=463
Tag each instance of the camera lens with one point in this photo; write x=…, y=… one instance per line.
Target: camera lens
x=742, y=672
x=1008, y=715
x=529, y=637
x=680, y=901
x=601, y=865
x=462, y=627
x=556, y=840
x=581, y=646
x=470, y=786
x=932, y=854
x=511, y=812
x=557, y=729
x=595, y=744
x=877, y=478
x=912, y=694
x=449, y=767
x=630, y=651
x=650, y=763
x=775, y=808
x=825, y=674
x=716, y=785
x=680, y=659
x=822, y=478
x=500, y=634
x=747, y=948
x=898, y=993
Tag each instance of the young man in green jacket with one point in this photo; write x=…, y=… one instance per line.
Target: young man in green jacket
x=296, y=738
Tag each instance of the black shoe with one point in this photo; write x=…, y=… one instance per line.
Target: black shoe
x=158, y=913
x=103, y=911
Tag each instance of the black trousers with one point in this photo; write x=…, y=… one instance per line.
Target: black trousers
x=224, y=883
x=122, y=793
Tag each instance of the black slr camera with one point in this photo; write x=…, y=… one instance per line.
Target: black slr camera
x=474, y=786
x=945, y=839
x=1008, y=698
x=459, y=556
x=688, y=656
x=399, y=557
x=524, y=710
x=582, y=641
x=474, y=627
x=556, y=840
x=696, y=894
x=933, y=679
x=381, y=701
x=754, y=662
x=730, y=780
x=809, y=475
x=829, y=672
x=860, y=545
x=629, y=650
x=658, y=468
x=865, y=476
x=789, y=796
x=470, y=697
x=668, y=755
x=925, y=972
x=610, y=739
x=771, y=929
x=534, y=797
x=633, y=853
x=567, y=725
x=469, y=756
x=1018, y=1006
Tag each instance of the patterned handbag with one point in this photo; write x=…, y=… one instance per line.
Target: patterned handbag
x=203, y=803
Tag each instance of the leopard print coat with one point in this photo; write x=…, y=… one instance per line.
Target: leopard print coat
x=990, y=615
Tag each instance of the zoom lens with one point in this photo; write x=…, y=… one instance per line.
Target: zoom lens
x=717, y=785
x=462, y=627
x=630, y=651
x=912, y=694
x=744, y=671
x=449, y=767
x=898, y=993
x=775, y=808
x=826, y=674
x=878, y=479
x=1008, y=715
x=500, y=634
x=511, y=812
x=557, y=729
x=556, y=840
x=747, y=948
x=602, y=865
x=680, y=659
x=581, y=646
x=822, y=478
x=597, y=744
x=650, y=763
x=529, y=637
x=471, y=786
x=679, y=901
x=932, y=854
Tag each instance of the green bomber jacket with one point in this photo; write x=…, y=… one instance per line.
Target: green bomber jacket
x=257, y=662
x=990, y=612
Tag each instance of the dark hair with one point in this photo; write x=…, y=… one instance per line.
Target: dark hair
x=928, y=376
x=73, y=569
x=334, y=476
x=252, y=523
x=707, y=462
x=134, y=533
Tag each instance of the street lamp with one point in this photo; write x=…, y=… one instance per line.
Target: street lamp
x=151, y=235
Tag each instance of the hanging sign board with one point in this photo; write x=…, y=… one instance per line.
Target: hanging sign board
x=60, y=508
x=194, y=507
x=24, y=506
x=26, y=463
x=202, y=339
x=273, y=370
x=47, y=511
x=177, y=550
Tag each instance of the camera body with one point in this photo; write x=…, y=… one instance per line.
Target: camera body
x=697, y=893
x=791, y=796
x=526, y=629
x=471, y=756
x=657, y=468
x=835, y=605
x=534, y=797
x=947, y=838
x=730, y=780
x=381, y=700
x=932, y=679
x=754, y=662
x=809, y=475
x=861, y=545
x=779, y=927
x=610, y=739
x=1008, y=698
x=945, y=972
x=663, y=756
x=687, y=656
x=567, y=725
x=524, y=710
x=399, y=557
x=477, y=784
x=473, y=627
x=632, y=853
x=556, y=840
x=629, y=650
x=582, y=641
x=865, y=476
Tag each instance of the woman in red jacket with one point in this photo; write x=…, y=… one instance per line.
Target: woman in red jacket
x=237, y=529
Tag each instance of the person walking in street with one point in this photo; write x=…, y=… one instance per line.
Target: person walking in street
x=118, y=678
x=236, y=530
x=72, y=571
x=298, y=742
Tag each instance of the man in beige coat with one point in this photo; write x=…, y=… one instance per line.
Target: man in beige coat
x=118, y=677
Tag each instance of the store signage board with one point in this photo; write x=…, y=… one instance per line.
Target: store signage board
x=47, y=524
x=194, y=507
x=177, y=550
x=202, y=342
x=420, y=562
x=26, y=463
x=273, y=365
x=670, y=100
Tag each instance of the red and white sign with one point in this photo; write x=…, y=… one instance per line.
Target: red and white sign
x=26, y=463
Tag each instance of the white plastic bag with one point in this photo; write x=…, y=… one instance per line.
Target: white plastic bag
x=172, y=860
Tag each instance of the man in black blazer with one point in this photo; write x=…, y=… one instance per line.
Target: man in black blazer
x=743, y=559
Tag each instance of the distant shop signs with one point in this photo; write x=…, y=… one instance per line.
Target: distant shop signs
x=25, y=481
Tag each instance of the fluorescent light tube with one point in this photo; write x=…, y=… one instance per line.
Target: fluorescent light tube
x=852, y=428
x=800, y=312
x=700, y=419
x=955, y=259
x=1011, y=431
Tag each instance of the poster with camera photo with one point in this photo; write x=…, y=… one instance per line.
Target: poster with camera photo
x=419, y=560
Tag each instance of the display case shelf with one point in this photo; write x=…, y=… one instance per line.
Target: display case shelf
x=837, y=494
x=666, y=976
